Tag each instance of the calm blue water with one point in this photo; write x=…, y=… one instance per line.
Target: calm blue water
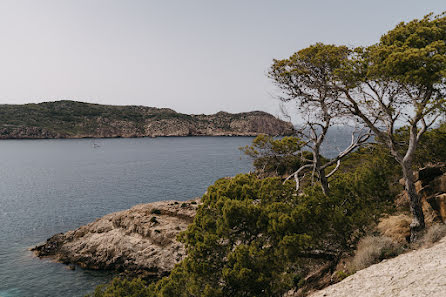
x=52, y=186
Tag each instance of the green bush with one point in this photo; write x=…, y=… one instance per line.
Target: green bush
x=156, y=211
x=432, y=147
x=123, y=288
x=276, y=156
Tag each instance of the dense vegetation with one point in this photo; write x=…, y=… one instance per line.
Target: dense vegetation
x=71, y=118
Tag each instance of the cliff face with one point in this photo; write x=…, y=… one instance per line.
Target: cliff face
x=140, y=241
x=69, y=119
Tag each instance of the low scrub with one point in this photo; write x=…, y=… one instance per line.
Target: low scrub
x=372, y=250
x=434, y=234
x=395, y=227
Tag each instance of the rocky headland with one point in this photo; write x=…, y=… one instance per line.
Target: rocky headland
x=71, y=119
x=140, y=241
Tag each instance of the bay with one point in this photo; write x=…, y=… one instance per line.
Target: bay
x=52, y=186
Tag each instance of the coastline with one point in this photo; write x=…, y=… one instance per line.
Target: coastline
x=140, y=241
x=129, y=137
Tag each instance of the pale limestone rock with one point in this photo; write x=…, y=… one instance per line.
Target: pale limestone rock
x=416, y=274
x=131, y=240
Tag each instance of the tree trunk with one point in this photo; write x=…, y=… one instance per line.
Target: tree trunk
x=416, y=208
x=324, y=182
x=321, y=172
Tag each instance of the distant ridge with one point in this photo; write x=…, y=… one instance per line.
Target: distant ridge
x=72, y=119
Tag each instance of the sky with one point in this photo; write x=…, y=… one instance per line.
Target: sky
x=194, y=56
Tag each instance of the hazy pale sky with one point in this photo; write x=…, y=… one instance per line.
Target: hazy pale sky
x=195, y=56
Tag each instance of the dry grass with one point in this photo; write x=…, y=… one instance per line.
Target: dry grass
x=396, y=227
x=433, y=235
x=394, y=230
x=372, y=250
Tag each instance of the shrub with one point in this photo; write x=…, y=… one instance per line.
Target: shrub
x=395, y=227
x=156, y=211
x=434, y=234
x=272, y=156
x=250, y=233
x=373, y=249
x=122, y=287
x=340, y=275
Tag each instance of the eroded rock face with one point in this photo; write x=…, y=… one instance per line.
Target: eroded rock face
x=219, y=124
x=138, y=241
x=431, y=186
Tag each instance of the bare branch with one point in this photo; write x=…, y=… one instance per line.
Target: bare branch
x=356, y=142
x=335, y=169
x=296, y=175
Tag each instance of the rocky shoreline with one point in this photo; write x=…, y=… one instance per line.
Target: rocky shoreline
x=140, y=241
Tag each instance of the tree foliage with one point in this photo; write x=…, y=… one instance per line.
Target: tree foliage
x=307, y=79
x=431, y=148
x=123, y=288
x=275, y=156
x=400, y=80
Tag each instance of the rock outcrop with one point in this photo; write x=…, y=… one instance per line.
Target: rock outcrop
x=419, y=274
x=431, y=186
x=70, y=119
x=140, y=241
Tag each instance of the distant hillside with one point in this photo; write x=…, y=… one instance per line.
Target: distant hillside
x=71, y=119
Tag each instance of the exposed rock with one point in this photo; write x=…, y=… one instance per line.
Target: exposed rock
x=431, y=186
x=70, y=119
x=438, y=204
x=139, y=241
x=429, y=173
x=419, y=273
